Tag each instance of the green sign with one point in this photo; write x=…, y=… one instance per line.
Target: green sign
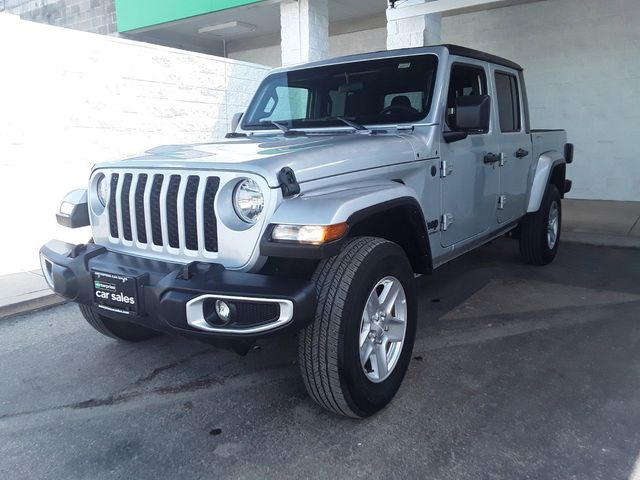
x=135, y=14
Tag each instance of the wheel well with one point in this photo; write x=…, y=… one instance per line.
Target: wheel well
x=402, y=224
x=558, y=176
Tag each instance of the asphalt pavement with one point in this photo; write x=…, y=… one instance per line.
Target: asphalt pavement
x=518, y=372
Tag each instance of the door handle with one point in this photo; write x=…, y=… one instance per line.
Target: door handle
x=491, y=158
x=521, y=153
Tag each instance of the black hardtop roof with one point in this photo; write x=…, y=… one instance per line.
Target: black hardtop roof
x=479, y=55
x=453, y=50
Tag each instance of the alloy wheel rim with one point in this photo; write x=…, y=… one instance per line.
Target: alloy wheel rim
x=382, y=329
x=552, y=225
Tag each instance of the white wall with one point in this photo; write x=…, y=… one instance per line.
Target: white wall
x=267, y=55
x=582, y=67
x=371, y=40
x=69, y=99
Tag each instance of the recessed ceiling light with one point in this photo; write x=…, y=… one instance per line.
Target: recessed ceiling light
x=227, y=29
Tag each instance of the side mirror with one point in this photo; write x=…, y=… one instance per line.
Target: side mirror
x=74, y=210
x=473, y=112
x=235, y=120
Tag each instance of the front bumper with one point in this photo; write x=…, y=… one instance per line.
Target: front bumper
x=179, y=298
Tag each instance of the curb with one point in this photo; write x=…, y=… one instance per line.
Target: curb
x=601, y=239
x=31, y=305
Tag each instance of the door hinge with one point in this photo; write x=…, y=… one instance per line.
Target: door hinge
x=445, y=168
x=502, y=201
x=447, y=221
x=502, y=157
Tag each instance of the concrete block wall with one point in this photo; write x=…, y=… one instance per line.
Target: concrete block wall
x=371, y=40
x=96, y=16
x=304, y=30
x=415, y=31
x=71, y=99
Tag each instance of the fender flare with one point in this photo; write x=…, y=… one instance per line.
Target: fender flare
x=352, y=204
x=547, y=162
x=331, y=205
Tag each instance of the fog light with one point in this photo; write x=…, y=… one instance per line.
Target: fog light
x=223, y=310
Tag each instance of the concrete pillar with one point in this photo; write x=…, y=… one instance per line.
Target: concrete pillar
x=418, y=31
x=304, y=31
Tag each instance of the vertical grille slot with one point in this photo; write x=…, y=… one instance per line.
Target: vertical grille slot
x=113, y=210
x=141, y=224
x=126, y=207
x=190, y=215
x=156, y=227
x=172, y=211
x=210, y=221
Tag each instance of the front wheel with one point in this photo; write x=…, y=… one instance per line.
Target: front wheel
x=540, y=231
x=354, y=355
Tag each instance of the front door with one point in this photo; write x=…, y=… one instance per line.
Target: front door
x=515, y=145
x=469, y=185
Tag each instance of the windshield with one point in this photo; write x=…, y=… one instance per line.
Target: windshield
x=372, y=92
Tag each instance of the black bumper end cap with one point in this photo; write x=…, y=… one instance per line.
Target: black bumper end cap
x=567, y=185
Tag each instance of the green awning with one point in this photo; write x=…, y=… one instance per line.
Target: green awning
x=135, y=14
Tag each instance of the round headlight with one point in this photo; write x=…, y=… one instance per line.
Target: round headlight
x=248, y=200
x=102, y=189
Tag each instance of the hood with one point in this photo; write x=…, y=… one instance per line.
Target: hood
x=311, y=157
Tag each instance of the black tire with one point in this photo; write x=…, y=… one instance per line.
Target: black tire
x=328, y=349
x=120, y=330
x=534, y=246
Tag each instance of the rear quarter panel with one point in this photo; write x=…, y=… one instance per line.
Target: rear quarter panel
x=548, y=147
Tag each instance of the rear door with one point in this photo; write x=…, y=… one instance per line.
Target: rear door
x=515, y=144
x=469, y=185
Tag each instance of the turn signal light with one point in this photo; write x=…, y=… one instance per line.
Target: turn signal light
x=309, y=234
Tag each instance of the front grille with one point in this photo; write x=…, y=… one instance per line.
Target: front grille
x=172, y=211
x=165, y=210
x=113, y=219
x=190, y=213
x=139, y=206
x=156, y=228
x=126, y=208
x=210, y=223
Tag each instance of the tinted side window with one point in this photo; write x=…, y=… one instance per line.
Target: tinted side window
x=465, y=80
x=508, y=102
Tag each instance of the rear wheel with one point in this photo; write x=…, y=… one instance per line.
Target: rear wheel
x=354, y=356
x=120, y=330
x=540, y=231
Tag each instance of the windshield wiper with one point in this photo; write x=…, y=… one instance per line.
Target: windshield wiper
x=286, y=130
x=358, y=127
x=281, y=126
x=355, y=125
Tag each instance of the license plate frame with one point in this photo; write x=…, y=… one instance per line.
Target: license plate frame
x=114, y=292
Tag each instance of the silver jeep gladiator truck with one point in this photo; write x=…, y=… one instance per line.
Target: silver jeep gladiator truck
x=342, y=180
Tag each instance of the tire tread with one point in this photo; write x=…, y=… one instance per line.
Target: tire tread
x=319, y=342
x=532, y=241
